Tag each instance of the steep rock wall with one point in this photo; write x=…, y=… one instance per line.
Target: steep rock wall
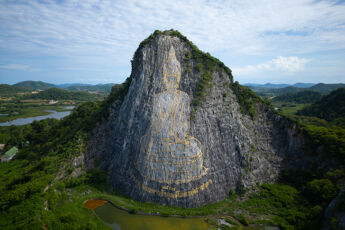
x=237, y=150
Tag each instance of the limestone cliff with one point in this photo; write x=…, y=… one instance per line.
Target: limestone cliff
x=183, y=134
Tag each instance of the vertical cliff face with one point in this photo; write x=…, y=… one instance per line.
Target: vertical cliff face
x=179, y=136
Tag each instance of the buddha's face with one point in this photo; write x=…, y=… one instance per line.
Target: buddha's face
x=172, y=71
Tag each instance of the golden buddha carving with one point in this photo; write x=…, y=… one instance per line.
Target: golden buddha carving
x=168, y=154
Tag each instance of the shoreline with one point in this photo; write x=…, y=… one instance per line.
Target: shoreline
x=37, y=116
x=206, y=217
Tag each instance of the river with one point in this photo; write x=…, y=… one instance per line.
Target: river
x=28, y=120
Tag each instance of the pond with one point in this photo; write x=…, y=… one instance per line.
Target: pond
x=119, y=219
x=122, y=220
x=28, y=120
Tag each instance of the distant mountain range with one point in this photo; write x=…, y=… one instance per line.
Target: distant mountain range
x=277, y=86
x=40, y=85
x=270, y=90
x=265, y=90
x=106, y=88
x=8, y=90
x=62, y=94
x=34, y=85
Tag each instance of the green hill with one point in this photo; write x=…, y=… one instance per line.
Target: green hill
x=330, y=107
x=61, y=94
x=102, y=88
x=321, y=88
x=326, y=88
x=9, y=90
x=270, y=92
x=34, y=85
x=306, y=96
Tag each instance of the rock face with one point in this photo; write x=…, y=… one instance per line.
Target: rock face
x=158, y=146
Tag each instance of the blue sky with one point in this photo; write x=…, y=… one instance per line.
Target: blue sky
x=93, y=41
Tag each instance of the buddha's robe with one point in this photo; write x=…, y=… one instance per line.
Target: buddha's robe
x=169, y=153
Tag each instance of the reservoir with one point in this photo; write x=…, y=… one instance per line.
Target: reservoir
x=122, y=220
x=28, y=120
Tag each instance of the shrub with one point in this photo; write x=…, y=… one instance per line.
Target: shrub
x=246, y=98
x=243, y=220
x=199, y=67
x=133, y=211
x=321, y=190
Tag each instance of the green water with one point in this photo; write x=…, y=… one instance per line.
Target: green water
x=121, y=220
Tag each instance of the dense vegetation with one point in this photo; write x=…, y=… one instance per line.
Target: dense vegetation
x=9, y=90
x=246, y=98
x=25, y=182
x=33, y=85
x=21, y=104
x=61, y=94
x=300, y=97
x=330, y=107
x=29, y=86
x=33, y=187
x=326, y=88
x=100, y=88
x=271, y=92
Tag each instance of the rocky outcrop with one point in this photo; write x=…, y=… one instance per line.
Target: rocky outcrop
x=333, y=218
x=179, y=136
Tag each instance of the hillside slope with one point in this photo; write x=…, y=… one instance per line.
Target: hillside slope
x=306, y=96
x=104, y=88
x=330, y=107
x=321, y=88
x=61, y=94
x=9, y=90
x=34, y=85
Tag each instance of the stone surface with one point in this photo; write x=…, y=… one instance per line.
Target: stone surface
x=331, y=212
x=152, y=155
x=168, y=154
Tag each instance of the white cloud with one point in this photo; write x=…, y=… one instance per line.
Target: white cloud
x=14, y=67
x=113, y=27
x=285, y=65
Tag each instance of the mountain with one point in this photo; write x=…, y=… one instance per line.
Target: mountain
x=61, y=94
x=267, y=85
x=39, y=85
x=9, y=90
x=183, y=133
x=306, y=96
x=34, y=85
x=271, y=92
x=330, y=107
x=277, y=86
x=104, y=88
x=303, y=85
x=326, y=88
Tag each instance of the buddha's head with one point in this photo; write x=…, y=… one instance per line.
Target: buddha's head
x=171, y=70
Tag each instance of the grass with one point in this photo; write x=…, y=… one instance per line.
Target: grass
x=67, y=211
x=289, y=108
x=270, y=205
